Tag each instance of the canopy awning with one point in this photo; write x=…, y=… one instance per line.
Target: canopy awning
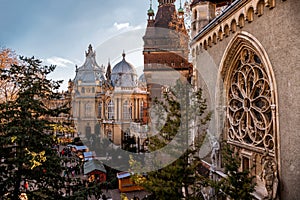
x=121, y=175
x=79, y=148
x=92, y=165
x=88, y=155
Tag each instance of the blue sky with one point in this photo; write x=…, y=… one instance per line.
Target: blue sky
x=59, y=31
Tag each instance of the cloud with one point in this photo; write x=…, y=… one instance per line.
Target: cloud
x=58, y=61
x=121, y=25
x=126, y=26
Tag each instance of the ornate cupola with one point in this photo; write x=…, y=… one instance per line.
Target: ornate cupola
x=180, y=11
x=124, y=74
x=150, y=12
x=90, y=72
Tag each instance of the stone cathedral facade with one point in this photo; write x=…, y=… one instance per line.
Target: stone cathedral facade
x=246, y=55
x=108, y=102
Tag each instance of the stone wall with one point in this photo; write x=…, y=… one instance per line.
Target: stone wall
x=277, y=30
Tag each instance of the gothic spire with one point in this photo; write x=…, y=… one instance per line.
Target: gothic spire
x=180, y=10
x=108, y=72
x=90, y=51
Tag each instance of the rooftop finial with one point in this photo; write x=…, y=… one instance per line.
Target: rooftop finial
x=150, y=11
x=123, y=54
x=90, y=50
x=180, y=10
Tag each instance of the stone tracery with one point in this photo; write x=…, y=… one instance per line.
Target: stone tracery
x=249, y=113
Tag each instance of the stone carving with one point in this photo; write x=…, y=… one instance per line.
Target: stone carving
x=269, y=175
x=249, y=112
x=215, y=153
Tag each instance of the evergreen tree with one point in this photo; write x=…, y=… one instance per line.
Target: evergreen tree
x=183, y=109
x=238, y=184
x=25, y=140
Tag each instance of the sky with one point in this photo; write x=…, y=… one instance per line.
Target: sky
x=59, y=31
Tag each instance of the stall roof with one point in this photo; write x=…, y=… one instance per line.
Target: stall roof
x=78, y=148
x=92, y=165
x=88, y=155
x=121, y=175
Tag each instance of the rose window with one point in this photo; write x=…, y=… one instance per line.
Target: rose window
x=249, y=113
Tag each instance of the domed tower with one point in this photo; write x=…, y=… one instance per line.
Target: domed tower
x=124, y=74
x=90, y=73
x=150, y=16
x=165, y=46
x=124, y=104
x=87, y=82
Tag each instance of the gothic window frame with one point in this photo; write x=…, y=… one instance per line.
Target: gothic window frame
x=249, y=103
x=239, y=56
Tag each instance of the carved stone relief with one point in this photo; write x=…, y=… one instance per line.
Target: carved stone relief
x=249, y=113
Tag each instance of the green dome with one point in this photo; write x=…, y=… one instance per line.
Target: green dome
x=180, y=10
x=150, y=11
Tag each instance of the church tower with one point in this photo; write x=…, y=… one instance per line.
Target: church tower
x=165, y=47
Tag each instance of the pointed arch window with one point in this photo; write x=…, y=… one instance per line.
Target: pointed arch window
x=249, y=103
x=250, y=118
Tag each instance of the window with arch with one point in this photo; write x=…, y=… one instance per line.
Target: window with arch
x=249, y=103
x=110, y=110
x=88, y=110
x=250, y=118
x=141, y=109
x=126, y=110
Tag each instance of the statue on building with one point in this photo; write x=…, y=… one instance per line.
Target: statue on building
x=269, y=175
x=215, y=152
